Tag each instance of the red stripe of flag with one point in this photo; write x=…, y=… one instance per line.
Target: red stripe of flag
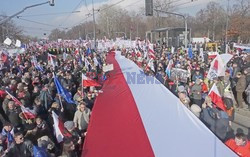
x=116, y=108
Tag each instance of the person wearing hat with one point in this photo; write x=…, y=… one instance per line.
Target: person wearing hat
x=46, y=143
x=196, y=93
x=76, y=135
x=196, y=110
x=240, y=88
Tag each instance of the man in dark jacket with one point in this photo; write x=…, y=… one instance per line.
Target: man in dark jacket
x=21, y=147
x=240, y=88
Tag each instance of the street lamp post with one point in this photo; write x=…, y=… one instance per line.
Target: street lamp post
x=226, y=38
x=185, y=21
x=51, y=2
x=94, y=24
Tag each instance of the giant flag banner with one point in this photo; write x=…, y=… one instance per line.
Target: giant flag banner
x=145, y=120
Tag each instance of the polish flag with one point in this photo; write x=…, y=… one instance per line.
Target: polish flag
x=151, y=52
x=140, y=117
x=216, y=97
x=51, y=60
x=14, y=99
x=28, y=113
x=59, y=129
x=87, y=82
x=217, y=68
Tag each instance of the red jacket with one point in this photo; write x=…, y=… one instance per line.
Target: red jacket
x=242, y=151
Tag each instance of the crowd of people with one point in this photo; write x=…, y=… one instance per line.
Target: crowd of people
x=28, y=84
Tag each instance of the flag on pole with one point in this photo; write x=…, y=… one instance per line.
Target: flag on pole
x=151, y=52
x=190, y=52
x=201, y=55
x=51, y=60
x=169, y=67
x=88, y=82
x=62, y=91
x=59, y=129
x=14, y=99
x=86, y=63
x=172, y=50
x=151, y=64
x=96, y=61
x=216, y=97
x=36, y=64
x=217, y=68
x=28, y=113
x=88, y=51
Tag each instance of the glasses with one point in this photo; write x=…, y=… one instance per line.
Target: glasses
x=20, y=138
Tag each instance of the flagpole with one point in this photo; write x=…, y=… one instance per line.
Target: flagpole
x=60, y=100
x=82, y=87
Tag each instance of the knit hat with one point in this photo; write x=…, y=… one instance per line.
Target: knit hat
x=45, y=142
x=196, y=110
x=181, y=88
x=69, y=125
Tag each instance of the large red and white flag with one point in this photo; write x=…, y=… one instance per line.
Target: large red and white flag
x=88, y=82
x=59, y=129
x=217, y=68
x=216, y=97
x=140, y=117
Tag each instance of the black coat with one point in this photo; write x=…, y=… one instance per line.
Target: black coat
x=21, y=150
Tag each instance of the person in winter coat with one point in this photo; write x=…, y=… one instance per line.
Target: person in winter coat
x=247, y=91
x=68, y=149
x=208, y=114
x=196, y=93
x=240, y=145
x=240, y=88
x=81, y=118
x=21, y=147
x=13, y=114
x=221, y=124
x=229, y=106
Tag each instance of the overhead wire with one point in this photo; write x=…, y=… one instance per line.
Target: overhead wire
x=45, y=24
x=99, y=10
x=50, y=14
x=80, y=2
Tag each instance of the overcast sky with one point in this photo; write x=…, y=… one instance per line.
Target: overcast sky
x=62, y=18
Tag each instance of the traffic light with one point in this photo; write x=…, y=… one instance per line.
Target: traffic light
x=149, y=7
x=51, y=2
